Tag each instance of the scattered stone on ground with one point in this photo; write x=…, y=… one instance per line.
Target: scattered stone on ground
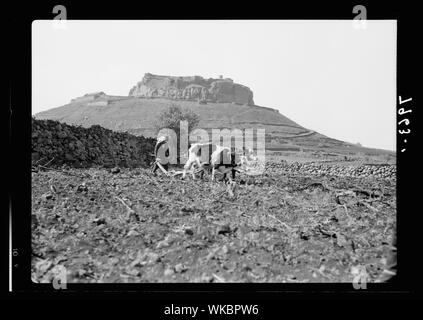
x=283, y=227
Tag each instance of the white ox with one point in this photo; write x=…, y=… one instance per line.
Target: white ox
x=219, y=158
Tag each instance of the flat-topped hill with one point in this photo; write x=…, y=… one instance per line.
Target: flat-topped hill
x=137, y=115
x=220, y=103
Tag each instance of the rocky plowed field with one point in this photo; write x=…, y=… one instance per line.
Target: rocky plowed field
x=127, y=225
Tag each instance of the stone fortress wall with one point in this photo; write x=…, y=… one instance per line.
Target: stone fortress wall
x=192, y=88
x=77, y=146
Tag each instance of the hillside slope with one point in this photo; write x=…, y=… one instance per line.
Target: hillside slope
x=136, y=115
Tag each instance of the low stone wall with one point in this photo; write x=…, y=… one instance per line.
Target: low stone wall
x=383, y=171
x=85, y=147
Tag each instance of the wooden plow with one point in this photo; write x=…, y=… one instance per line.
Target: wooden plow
x=172, y=172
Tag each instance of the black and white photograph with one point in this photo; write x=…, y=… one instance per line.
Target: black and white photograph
x=212, y=163
x=213, y=151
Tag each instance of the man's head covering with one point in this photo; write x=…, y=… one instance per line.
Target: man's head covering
x=161, y=139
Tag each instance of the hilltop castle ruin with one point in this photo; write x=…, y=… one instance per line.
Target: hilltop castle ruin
x=192, y=88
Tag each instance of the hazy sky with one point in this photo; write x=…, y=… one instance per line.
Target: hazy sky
x=325, y=75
